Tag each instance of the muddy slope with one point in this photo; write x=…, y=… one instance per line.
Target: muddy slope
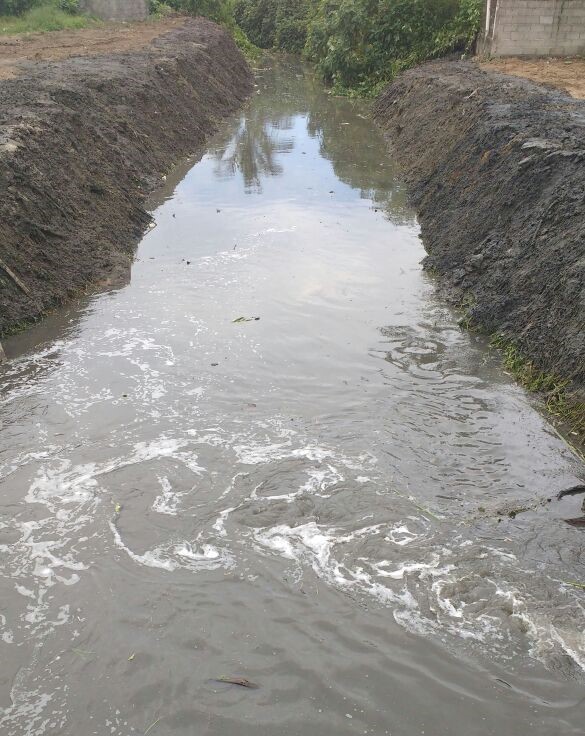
x=83, y=141
x=496, y=168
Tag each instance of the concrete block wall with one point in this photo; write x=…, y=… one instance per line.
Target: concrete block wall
x=116, y=9
x=533, y=28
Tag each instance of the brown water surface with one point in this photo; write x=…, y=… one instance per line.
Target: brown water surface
x=314, y=498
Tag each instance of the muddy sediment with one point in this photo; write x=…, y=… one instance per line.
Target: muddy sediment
x=496, y=171
x=82, y=143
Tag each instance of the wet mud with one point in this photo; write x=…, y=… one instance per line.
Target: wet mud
x=495, y=167
x=82, y=143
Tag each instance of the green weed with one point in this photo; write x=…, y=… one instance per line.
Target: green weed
x=555, y=390
x=46, y=17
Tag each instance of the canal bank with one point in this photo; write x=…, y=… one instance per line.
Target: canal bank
x=495, y=170
x=83, y=141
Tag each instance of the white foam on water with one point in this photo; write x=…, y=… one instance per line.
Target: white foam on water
x=572, y=643
x=61, y=482
x=175, y=556
x=320, y=480
x=310, y=544
x=219, y=525
x=168, y=501
x=27, y=711
x=405, y=568
x=261, y=454
x=7, y=635
x=401, y=535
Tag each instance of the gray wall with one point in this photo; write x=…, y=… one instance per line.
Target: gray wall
x=533, y=28
x=116, y=9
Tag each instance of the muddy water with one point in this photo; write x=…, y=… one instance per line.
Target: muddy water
x=315, y=499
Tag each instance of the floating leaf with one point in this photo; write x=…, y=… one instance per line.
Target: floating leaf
x=575, y=584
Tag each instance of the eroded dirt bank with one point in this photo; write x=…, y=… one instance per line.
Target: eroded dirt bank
x=83, y=141
x=495, y=167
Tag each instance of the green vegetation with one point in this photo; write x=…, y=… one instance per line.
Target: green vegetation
x=278, y=24
x=27, y=16
x=221, y=11
x=217, y=10
x=359, y=45
x=559, y=401
x=15, y=7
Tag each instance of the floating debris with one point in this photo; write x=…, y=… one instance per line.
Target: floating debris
x=240, y=681
x=152, y=725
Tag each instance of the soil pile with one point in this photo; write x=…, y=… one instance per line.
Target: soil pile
x=82, y=143
x=496, y=171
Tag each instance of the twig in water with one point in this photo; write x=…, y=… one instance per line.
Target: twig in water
x=152, y=725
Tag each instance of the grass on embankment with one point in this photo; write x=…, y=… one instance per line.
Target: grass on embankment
x=47, y=17
x=555, y=390
x=559, y=401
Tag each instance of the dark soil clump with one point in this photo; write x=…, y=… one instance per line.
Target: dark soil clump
x=496, y=171
x=82, y=143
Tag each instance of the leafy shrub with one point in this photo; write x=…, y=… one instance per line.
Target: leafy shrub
x=257, y=18
x=44, y=17
x=69, y=6
x=292, y=21
x=280, y=24
x=16, y=7
x=360, y=43
x=218, y=10
x=159, y=8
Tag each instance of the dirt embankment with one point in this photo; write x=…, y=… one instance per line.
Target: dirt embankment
x=84, y=140
x=496, y=171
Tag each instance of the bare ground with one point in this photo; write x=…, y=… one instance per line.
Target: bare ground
x=84, y=139
x=16, y=52
x=564, y=74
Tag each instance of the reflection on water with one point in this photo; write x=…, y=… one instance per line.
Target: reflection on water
x=343, y=501
x=353, y=148
x=253, y=152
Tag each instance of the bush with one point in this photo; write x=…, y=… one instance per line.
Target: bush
x=257, y=18
x=159, y=8
x=16, y=7
x=280, y=24
x=69, y=6
x=217, y=10
x=362, y=43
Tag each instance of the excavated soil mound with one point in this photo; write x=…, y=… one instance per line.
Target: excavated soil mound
x=496, y=170
x=84, y=140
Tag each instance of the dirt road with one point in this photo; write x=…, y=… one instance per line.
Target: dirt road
x=565, y=74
